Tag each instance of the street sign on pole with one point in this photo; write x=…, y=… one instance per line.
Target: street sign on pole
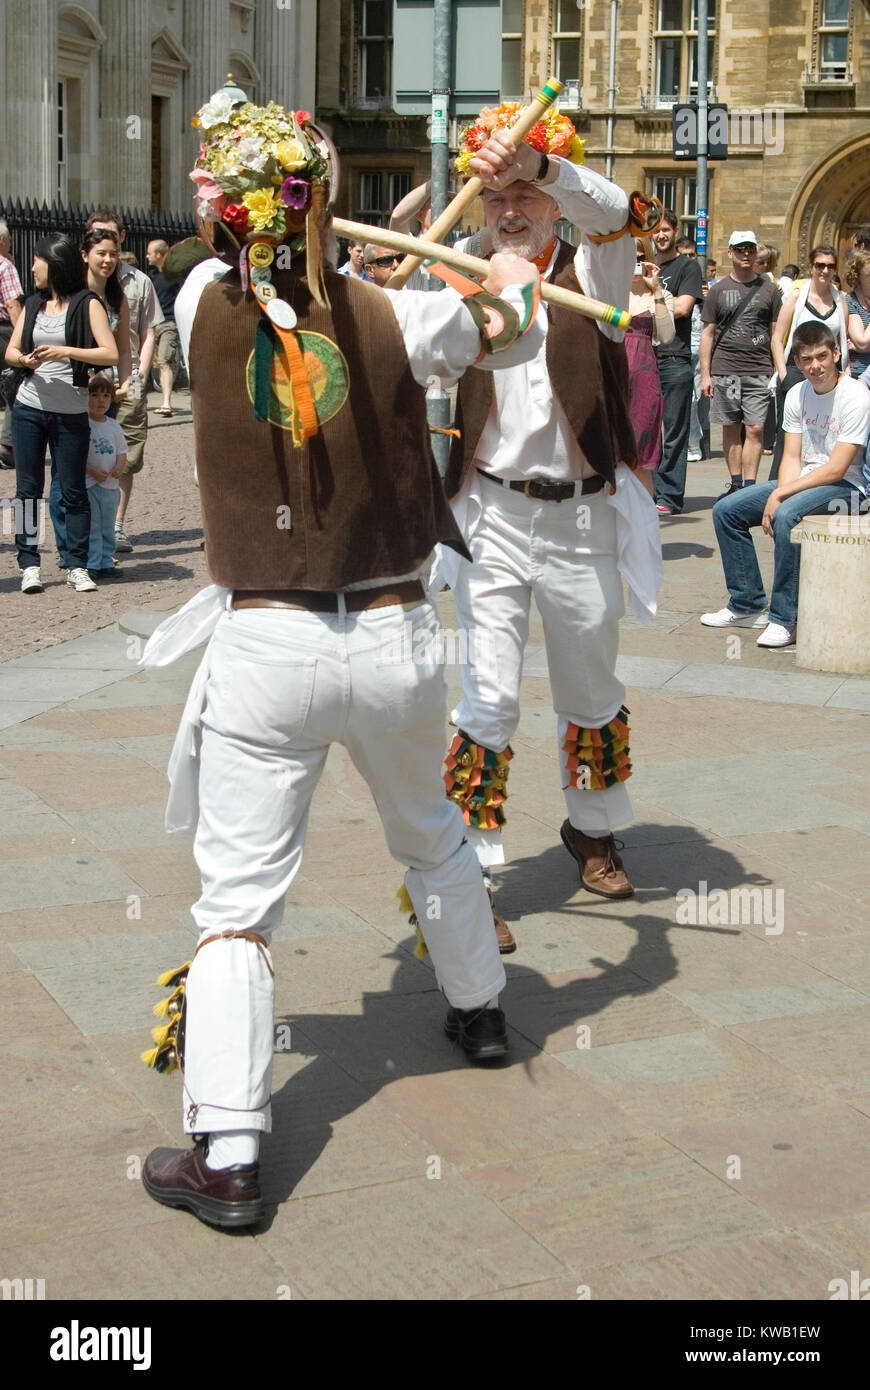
x=701, y=233
x=684, y=131
x=475, y=56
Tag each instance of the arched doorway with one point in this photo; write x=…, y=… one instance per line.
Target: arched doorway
x=832, y=200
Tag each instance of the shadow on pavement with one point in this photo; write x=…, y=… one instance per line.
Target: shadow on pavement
x=344, y=1048
x=682, y=550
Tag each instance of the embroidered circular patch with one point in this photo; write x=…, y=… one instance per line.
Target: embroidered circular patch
x=328, y=380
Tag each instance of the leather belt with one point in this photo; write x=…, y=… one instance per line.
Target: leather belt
x=315, y=601
x=545, y=491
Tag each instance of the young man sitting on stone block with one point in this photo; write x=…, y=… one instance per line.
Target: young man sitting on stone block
x=826, y=424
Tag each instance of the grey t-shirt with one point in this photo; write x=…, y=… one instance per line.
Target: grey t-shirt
x=50, y=386
x=744, y=349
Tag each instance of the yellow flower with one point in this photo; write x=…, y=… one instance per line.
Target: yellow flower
x=262, y=206
x=577, y=150
x=291, y=154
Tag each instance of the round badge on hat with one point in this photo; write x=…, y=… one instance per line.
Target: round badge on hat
x=265, y=292
x=261, y=253
x=282, y=314
x=260, y=274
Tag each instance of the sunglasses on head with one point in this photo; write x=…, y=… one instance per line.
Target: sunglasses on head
x=383, y=261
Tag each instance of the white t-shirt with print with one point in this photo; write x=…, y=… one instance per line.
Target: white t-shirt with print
x=841, y=416
x=107, y=442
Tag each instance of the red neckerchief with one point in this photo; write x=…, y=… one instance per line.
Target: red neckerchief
x=543, y=261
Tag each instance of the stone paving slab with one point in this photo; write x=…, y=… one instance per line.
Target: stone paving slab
x=405, y=1237
x=14, y=712
x=617, y=1203
x=47, y=881
x=49, y=684
x=854, y=693
x=101, y=982
x=668, y=1082
x=781, y=1156
x=778, y=1265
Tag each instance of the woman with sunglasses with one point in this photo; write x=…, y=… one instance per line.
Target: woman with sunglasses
x=816, y=300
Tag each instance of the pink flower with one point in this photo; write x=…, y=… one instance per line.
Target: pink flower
x=205, y=185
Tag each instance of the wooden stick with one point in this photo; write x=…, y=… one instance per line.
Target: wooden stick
x=528, y=117
x=472, y=265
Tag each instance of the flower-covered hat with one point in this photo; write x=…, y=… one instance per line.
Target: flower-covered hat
x=553, y=134
x=262, y=174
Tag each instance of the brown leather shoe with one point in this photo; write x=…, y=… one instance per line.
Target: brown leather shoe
x=601, y=868
x=506, y=943
x=220, y=1197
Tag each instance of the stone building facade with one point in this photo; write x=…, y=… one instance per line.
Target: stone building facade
x=795, y=75
x=97, y=96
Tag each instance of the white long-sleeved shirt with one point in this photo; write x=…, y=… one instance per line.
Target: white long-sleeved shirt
x=527, y=432
x=441, y=337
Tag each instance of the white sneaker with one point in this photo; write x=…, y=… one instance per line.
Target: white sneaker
x=726, y=617
x=777, y=635
x=694, y=456
x=81, y=581
x=31, y=580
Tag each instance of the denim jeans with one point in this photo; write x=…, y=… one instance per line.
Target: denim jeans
x=104, y=508
x=734, y=516
x=68, y=439
x=57, y=511
x=677, y=381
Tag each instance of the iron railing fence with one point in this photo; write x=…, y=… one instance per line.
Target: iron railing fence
x=29, y=221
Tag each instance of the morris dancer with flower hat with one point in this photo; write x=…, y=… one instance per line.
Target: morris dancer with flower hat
x=543, y=489
x=321, y=507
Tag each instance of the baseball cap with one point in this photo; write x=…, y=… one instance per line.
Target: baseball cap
x=742, y=239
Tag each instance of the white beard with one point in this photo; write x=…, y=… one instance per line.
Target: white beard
x=532, y=242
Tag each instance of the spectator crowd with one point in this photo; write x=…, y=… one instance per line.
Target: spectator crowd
x=781, y=363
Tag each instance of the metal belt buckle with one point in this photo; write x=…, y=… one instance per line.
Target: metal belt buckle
x=527, y=487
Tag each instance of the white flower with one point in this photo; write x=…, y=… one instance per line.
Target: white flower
x=251, y=153
x=216, y=111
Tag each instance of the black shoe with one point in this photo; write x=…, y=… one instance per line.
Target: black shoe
x=481, y=1032
x=735, y=487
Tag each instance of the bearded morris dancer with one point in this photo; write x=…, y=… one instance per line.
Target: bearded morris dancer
x=321, y=507
x=543, y=489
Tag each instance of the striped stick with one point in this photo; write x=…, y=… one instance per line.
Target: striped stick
x=472, y=265
x=528, y=117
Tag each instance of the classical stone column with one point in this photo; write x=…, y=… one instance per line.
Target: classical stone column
x=30, y=92
x=207, y=40
x=125, y=103
x=276, y=53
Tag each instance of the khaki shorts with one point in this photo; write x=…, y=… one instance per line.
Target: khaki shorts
x=133, y=420
x=740, y=400
x=165, y=343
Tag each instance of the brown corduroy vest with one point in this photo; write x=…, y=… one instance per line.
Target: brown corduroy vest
x=364, y=496
x=589, y=375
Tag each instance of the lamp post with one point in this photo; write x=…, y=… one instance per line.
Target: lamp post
x=701, y=225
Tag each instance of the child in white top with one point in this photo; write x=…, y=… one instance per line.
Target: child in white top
x=107, y=458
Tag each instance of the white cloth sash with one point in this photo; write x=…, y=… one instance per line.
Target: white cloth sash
x=180, y=633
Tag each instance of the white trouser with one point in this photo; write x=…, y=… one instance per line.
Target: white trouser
x=565, y=554
x=282, y=685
